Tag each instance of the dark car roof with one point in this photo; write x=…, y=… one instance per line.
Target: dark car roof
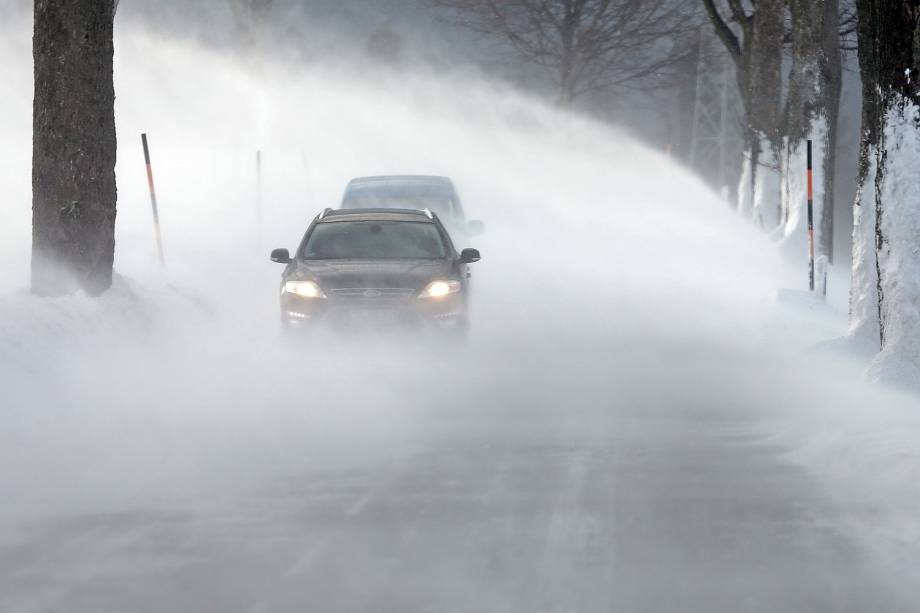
x=403, y=179
x=331, y=216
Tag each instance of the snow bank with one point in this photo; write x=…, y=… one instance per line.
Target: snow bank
x=38, y=334
x=863, y=446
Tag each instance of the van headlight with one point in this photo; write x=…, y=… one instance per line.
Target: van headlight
x=439, y=289
x=305, y=289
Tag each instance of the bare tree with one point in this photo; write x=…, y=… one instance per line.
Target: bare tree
x=385, y=45
x=74, y=147
x=251, y=18
x=754, y=40
x=849, y=22
x=811, y=111
x=815, y=33
x=585, y=45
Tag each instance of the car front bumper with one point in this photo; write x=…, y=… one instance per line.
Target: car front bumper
x=369, y=312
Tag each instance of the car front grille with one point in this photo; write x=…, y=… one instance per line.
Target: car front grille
x=370, y=293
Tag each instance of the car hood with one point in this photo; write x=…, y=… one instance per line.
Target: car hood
x=377, y=274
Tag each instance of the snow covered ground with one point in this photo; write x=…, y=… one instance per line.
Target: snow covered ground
x=611, y=281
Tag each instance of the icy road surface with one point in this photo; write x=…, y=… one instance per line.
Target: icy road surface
x=603, y=483
x=525, y=500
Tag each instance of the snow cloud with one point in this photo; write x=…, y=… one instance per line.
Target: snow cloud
x=609, y=275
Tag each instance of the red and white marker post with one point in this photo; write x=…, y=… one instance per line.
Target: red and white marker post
x=153, y=200
x=811, y=225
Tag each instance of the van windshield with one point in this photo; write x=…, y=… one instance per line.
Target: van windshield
x=441, y=206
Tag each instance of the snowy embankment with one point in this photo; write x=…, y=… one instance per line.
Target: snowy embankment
x=864, y=448
x=80, y=379
x=38, y=335
x=860, y=438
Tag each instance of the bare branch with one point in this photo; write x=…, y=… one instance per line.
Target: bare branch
x=585, y=45
x=724, y=32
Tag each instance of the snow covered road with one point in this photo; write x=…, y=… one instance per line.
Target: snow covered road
x=592, y=492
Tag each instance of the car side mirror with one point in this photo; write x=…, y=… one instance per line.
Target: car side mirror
x=475, y=227
x=281, y=256
x=468, y=256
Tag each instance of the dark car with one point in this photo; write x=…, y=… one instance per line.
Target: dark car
x=375, y=267
x=437, y=194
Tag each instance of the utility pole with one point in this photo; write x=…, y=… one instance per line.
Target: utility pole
x=717, y=141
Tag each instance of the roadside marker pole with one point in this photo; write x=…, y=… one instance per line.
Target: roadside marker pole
x=153, y=200
x=306, y=177
x=259, y=195
x=811, y=225
x=259, y=185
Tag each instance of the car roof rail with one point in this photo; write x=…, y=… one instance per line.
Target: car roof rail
x=325, y=212
x=428, y=212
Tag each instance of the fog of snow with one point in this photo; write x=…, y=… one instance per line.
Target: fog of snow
x=609, y=275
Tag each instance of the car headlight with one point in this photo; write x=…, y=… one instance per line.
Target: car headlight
x=306, y=289
x=439, y=289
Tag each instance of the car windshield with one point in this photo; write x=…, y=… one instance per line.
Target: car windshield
x=374, y=240
x=442, y=206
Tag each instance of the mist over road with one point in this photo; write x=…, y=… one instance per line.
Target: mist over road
x=575, y=478
x=604, y=442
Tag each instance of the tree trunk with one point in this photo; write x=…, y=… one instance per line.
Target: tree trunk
x=864, y=305
x=864, y=320
x=812, y=109
x=762, y=87
x=831, y=74
x=889, y=54
x=568, y=83
x=748, y=174
x=73, y=155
